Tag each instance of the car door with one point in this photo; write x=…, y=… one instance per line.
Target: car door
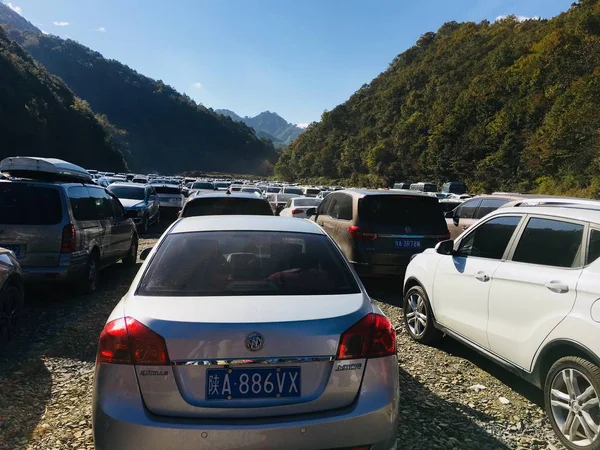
x=324, y=218
x=342, y=211
x=462, y=218
x=153, y=203
x=535, y=288
x=103, y=232
x=462, y=280
x=122, y=230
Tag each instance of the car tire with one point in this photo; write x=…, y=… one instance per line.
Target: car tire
x=571, y=394
x=131, y=258
x=89, y=281
x=418, y=318
x=11, y=310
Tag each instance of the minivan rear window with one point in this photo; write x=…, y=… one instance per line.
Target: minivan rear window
x=219, y=206
x=219, y=263
x=422, y=215
x=168, y=190
x=22, y=204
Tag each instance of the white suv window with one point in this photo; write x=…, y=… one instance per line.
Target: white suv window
x=490, y=239
x=550, y=242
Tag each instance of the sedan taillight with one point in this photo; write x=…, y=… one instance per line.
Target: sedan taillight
x=127, y=341
x=297, y=211
x=371, y=337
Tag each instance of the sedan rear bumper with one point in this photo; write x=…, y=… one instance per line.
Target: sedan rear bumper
x=121, y=421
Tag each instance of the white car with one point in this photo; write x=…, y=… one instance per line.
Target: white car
x=297, y=207
x=522, y=287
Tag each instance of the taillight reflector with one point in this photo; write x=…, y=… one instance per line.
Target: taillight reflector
x=371, y=337
x=361, y=234
x=68, y=239
x=127, y=341
x=297, y=211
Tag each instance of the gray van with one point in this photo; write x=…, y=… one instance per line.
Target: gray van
x=63, y=231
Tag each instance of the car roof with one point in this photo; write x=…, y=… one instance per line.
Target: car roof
x=165, y=185
x=563, y=211
x=245, y=223
x=364, y=192
x=222, y=194
x=124, y=184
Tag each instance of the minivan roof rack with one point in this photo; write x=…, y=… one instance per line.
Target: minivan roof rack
x=564, y=202
x=47, y=169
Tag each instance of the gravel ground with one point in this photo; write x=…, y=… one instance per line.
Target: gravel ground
x=46, y=380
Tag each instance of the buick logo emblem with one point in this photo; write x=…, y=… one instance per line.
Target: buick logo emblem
x=254, y=342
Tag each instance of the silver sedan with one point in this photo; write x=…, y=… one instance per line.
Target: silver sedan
x=246, y=332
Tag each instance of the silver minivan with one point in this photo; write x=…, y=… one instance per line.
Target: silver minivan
x=64, y=231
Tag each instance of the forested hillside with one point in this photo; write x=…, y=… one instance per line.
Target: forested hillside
x=162, y=130
x=508, y=105
x=269, y=125
x=40, y=116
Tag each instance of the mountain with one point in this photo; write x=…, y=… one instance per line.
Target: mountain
x=12, y=19
x=162, y=130
x=40, y=116
x=268, y=125
x=509, y=105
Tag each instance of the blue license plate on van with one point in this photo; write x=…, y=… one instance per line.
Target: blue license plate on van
x=407, y=243
x=16, y=249
x=232, y=384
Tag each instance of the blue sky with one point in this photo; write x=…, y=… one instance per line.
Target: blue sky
x=297, y=58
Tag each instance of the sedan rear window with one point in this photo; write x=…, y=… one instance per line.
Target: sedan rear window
x=306, y=202
x=224, y=263
x=420, y=214
x=128, y=192
x=203, y=186
x=168, y=190
x=21, y=204
x=221, y=206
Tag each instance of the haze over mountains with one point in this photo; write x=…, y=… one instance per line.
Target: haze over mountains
x=156, y=127
x=509, y=105
x=268, y=125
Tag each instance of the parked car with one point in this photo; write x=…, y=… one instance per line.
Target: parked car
x=521, y=287
x=323, y=194
x=107, y=181
x=251, y=190
x=170, y=198
x=200, y=186
x=298, y=191
x=64, y=228
x=311, y=191
x=223, y=203
x=141, y=203
x=286, y=339
x=423, y=187
x=379, y=231
x=11, y=296
x=140, y=179
x=448, y=204
x=454, y=187
x=278, y=201
x=298, y=207
x=221, y=186
x=403, y=186
x=474, y=209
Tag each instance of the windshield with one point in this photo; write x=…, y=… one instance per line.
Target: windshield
x=421, y=214
x=128, y=192
x=306, y=202
x=217, y=206
x=203, y=185
x=293, y=190
x=247, y=263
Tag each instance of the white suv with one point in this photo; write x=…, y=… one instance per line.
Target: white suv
x=522, y=286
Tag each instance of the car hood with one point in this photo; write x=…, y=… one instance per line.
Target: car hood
x=130, y=203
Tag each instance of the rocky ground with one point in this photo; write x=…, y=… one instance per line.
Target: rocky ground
x=451, y=397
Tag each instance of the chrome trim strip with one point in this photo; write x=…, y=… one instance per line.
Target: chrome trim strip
x=245, y=361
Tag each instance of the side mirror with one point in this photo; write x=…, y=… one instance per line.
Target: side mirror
x=311, y=212
x=445, y=247
x=145, y=253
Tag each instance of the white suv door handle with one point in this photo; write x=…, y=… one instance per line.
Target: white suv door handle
x=482, y=276
x=557, y=286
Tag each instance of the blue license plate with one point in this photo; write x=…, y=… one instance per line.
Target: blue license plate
x=16, y=249
x=231, y=384
x=407, y=243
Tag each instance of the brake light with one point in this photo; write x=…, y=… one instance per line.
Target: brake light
x=127, y=341
x=373, y=336
x=361, y=234
x=297, y=211
x=68, y=239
